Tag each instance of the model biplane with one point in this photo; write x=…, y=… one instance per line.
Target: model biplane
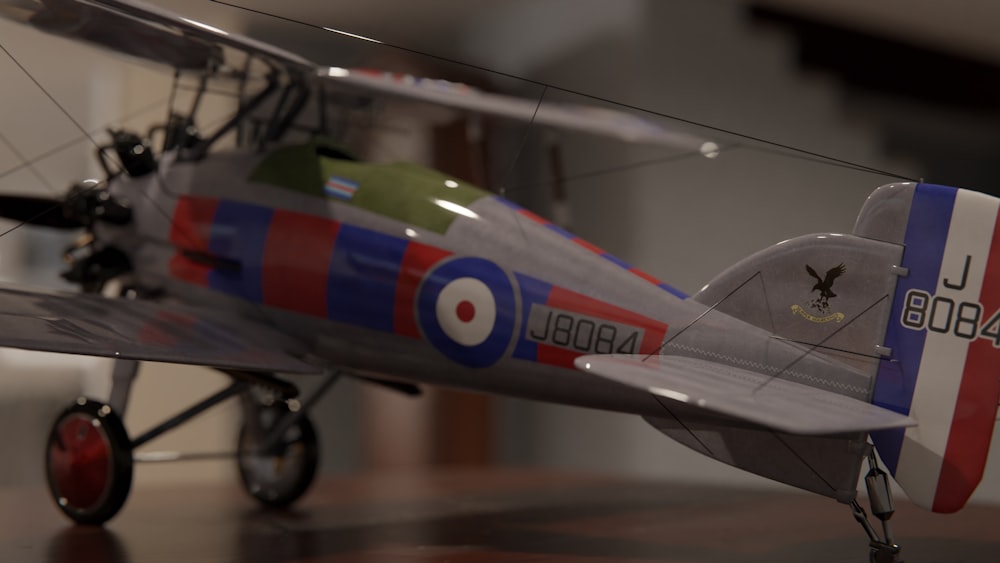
x=289, y=256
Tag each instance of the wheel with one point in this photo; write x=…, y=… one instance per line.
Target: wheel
x=89, y=462
x=279, y=476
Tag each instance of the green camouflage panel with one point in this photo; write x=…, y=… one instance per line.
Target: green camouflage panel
x=406, y=192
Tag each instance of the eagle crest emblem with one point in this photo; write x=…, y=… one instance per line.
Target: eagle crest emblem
x=821, y=303
x=825, y=287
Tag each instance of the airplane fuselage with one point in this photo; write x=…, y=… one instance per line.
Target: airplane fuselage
x=401, y=270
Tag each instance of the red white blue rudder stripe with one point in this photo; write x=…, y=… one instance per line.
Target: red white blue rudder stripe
x=944, y=331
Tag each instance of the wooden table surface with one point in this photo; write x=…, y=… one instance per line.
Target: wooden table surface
x=466, y=516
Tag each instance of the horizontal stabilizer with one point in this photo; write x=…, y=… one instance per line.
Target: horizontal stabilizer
x=141, y=330
x=754, y=397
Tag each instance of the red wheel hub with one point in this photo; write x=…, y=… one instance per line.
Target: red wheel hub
x=80, y=461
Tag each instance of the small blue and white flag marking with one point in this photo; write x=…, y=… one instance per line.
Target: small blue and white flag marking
x=340, y=188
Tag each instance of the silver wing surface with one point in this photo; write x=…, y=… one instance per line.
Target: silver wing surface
x=142, y=330
x=588, y=119
x=135, y=28
x=139, y=29
x=755, y=397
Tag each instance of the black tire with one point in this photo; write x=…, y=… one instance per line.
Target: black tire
x=88, y=462
x=278, y=477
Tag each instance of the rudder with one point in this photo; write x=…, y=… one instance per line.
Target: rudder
x=944, y=333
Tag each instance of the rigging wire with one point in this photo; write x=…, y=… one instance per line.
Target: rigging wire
x=520, y=147
x=51, y=98
x=73, y=195
x=814, y=346
x=669, y=159
x=30, y=164
x=513, y=163
x=26, y=163
x=703, y=314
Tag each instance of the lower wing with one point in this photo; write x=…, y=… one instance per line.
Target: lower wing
x=143, y=330
x=755, y=397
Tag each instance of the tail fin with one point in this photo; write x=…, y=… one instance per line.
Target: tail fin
x=944, y=336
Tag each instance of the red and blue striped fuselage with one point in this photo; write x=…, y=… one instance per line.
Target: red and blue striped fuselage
x=372, y=292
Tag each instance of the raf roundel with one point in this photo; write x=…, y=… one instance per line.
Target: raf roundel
x=466, y=308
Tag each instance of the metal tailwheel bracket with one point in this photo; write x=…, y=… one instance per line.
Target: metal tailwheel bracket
x=88, y=462
x=277, y=453
x=882, y=549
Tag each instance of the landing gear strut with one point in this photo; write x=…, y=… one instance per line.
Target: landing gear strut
x=881, y=549
x=90, y=457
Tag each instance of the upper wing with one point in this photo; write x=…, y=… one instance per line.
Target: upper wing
x=776, y=403
x=141, y=330
x=589, y=119
x=136, y=28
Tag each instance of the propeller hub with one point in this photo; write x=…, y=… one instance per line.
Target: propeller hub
x=89, y=202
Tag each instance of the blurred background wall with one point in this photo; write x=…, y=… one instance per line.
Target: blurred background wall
x=891, y=87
